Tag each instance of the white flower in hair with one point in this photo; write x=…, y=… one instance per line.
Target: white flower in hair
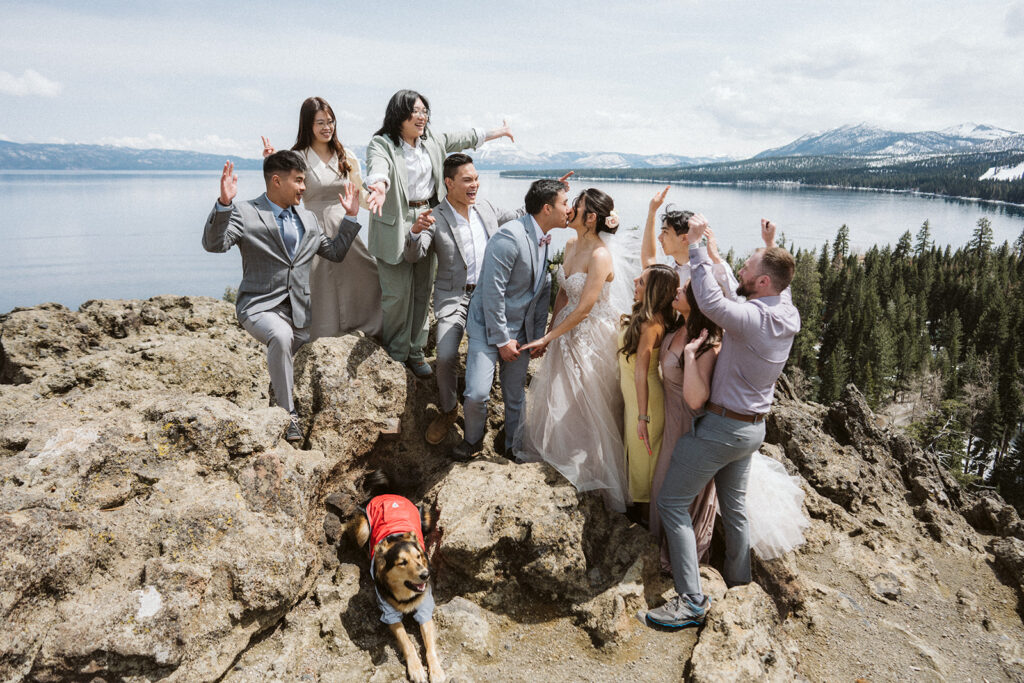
x=611, y=221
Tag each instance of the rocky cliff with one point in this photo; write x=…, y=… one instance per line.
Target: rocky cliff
x=154, y=526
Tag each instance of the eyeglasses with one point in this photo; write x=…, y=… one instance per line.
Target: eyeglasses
x=420, y=111
x=324, y=124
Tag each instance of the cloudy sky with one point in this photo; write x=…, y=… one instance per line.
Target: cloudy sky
x=711, y=77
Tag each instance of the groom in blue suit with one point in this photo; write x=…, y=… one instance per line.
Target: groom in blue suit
x=509, y=308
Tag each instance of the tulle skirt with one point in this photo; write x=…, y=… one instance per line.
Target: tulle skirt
x=774, y=508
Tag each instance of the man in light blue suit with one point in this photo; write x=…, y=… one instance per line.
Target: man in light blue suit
x=278, y=239
x=509, y=308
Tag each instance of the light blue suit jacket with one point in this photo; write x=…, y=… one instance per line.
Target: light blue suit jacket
x=511, y=296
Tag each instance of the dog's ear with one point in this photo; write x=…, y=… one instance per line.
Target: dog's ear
x=428, y=518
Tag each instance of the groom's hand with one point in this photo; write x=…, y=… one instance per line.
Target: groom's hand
x=510, y=351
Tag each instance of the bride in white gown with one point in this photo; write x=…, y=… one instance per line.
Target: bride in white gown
x=573, y=417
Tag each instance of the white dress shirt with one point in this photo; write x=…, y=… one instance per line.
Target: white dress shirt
x=474, y=238
x=420, y=172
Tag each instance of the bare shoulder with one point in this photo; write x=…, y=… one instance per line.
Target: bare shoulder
x=600, y=262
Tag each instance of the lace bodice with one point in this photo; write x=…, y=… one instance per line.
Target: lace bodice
x=573, y=286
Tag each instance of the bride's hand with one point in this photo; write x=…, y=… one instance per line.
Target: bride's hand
x=658, y=200
x=536, y=348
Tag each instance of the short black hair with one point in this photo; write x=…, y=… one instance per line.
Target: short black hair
x=399, y=110
x=283, y=163
x=454, y=162
x=541, y=192
x=678, y=221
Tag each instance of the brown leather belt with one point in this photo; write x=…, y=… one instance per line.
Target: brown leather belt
x=470, y=288
x=742, y=417
x=416, y=205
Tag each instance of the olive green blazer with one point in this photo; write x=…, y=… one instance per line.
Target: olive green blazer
x=385, y=158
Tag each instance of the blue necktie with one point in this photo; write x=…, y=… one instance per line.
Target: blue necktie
x=289, y=232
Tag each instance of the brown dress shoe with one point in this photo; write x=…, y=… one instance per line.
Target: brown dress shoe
x=439, y=428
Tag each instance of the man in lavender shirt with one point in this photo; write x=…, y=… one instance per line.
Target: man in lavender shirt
x=757, y=337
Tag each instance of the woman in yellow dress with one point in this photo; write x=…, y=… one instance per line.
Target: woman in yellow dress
x=639, y=347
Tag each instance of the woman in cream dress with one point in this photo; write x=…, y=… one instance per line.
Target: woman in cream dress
x=345, y=296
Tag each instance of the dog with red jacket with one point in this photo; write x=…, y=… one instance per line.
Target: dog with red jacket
x=390, y=528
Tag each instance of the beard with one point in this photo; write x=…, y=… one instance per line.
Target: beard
x=743, y=291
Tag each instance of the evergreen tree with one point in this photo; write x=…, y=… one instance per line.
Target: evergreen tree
x=1018, y=244
x=841, y=247
x=902, y=249
x=924, y=239
x=982, y=238
x=834, y=374
x=1008, y=475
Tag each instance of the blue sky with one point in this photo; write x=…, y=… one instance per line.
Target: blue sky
x=694, y=78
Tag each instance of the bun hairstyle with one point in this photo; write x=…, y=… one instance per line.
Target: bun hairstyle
x=678, y=220
x=304, y=139
x=602, y=206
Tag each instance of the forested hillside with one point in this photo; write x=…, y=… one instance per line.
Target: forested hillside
x=941, y=326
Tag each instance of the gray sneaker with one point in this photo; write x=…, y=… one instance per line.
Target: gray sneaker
x=293, y=434
x=679, y=612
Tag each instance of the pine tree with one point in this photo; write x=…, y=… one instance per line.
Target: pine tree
x=902, y=249
x=1008, y=475
x=842, y=244
x=982, y=238
x=924, y=239
x=1018, y=245
x=834, y=374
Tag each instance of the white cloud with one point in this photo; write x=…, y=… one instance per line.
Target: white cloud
x=250, y=95
x=31, y=82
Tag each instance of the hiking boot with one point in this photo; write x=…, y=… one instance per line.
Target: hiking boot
x=439, y=428
x=679, y=612
x=293, y=434
x=465, y=451
x=420, y=368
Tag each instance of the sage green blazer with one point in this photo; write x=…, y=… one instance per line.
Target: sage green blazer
x=385, y=158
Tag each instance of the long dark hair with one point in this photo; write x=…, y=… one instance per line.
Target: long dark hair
x=659, y=291
x=399, y=110
x=304, y=138
x=696, y=321
x=599, y=204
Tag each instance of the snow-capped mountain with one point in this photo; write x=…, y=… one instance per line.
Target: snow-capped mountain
x=866, y=140
x=507, y=157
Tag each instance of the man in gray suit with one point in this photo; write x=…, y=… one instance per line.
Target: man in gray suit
x=509, y=308
x=278, y=240
x=457, y=232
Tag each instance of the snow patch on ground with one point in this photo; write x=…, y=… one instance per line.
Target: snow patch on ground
x=1004, y=173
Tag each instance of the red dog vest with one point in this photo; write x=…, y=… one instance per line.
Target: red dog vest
x=391, y=514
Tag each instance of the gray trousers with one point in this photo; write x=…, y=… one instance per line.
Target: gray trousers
x=275, y=329
x=480, y=361
x=405, y=302
x=450, y=330
x=720, y=448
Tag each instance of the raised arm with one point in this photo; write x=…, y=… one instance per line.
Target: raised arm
x=729, y=315
x=335, y=249
x=648, y=248
x=224, y=225
x=597, y=274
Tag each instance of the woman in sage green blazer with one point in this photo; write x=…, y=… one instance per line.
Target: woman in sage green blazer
x=404, y=161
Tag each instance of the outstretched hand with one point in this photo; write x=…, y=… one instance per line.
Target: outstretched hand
x=228, y=184
x=658, y=199
x=565, y=179
x=504, y=131
x=537, y=347
x=349, y=200
x=268, y=148
x=768, y=232
x=375, y=200
x=713, y=252
x=423, y=221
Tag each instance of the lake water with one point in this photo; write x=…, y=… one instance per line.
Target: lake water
x=71, y=236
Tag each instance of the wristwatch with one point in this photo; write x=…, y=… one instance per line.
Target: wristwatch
x=645, y=418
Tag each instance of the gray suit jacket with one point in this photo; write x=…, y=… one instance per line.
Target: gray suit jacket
x=269, y=275
x=447, y=242
x=511, y=298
